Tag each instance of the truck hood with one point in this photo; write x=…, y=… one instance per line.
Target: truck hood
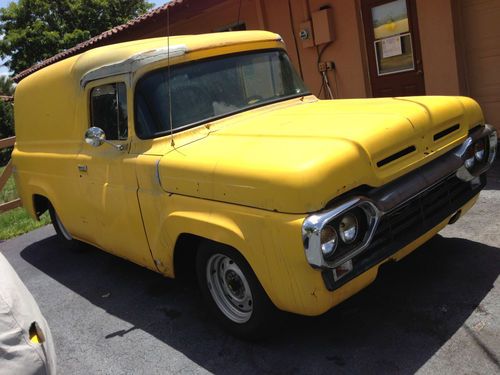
x=296, y=156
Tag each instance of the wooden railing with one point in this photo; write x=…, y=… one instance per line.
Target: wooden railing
x=7, y=172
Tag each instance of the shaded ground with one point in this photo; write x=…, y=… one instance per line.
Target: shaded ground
x=437, y=311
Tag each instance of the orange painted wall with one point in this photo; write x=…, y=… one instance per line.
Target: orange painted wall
x=459, y=41
x=480, y=28
x=351, y=78
x=348, y=81
x=346, y=51
x=435, y=21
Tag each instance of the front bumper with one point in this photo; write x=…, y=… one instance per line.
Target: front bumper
x=409, y=221
x=402, y=211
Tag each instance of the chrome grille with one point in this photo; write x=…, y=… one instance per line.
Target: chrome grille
x=408, y=221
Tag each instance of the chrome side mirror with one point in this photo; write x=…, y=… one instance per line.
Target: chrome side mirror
x=95, y=136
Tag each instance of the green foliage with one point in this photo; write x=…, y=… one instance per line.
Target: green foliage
x=34, y=30
x=6, y=117
x=6, y=120
x=6, y=86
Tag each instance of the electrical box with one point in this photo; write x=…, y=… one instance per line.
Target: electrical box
x=322, y=21
x=306, y=34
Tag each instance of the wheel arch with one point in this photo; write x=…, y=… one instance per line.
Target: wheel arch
x=40, y=204
x=37, y=200
x=189, y=229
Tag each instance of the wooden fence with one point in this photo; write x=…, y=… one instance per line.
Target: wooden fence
x=7, y=172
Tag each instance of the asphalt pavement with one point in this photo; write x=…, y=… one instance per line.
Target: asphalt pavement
x=435, y=312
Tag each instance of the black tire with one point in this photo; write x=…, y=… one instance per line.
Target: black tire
x=61, y=231
x=263, y=313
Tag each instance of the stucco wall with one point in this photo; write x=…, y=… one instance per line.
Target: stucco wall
x=435, y=21
x=351, y=78
x=480, y=28
x=346, y=51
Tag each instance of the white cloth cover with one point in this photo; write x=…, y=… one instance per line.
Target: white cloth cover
x=18, y=311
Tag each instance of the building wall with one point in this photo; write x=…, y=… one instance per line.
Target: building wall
x=347, y=51
x=284, y=17
x=439, y=57
x=480, y=35
x=459, y=41
x=351, y=78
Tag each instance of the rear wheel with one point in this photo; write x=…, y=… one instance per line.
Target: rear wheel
x=58, y=225
x=232, y=291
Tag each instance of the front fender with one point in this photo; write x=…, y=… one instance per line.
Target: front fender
x=270, y=242
x=213, y=227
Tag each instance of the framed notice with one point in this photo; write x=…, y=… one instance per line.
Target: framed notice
x=394, y=54
x=391, y=46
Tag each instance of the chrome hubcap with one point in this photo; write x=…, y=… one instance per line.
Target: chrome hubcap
x=229, y=288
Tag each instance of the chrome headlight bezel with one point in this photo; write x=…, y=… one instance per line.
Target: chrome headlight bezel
x=480, y=150
x=382, y=200
x=466, y=152
x=314, y=224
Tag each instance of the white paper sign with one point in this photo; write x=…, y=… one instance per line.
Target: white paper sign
x=391, y=46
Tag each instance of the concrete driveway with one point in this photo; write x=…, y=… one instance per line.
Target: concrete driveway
x=437, y=311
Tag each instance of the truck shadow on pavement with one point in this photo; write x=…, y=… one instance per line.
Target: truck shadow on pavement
x=394, y=326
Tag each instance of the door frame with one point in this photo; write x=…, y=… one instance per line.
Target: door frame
x=369, y=50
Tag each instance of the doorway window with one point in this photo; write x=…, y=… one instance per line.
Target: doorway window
x=393, y=45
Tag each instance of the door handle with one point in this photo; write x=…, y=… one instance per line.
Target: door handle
x=82, y=168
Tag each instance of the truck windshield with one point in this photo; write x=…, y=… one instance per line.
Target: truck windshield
x=209, y=89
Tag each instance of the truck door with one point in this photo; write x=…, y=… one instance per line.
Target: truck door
x=107, y=196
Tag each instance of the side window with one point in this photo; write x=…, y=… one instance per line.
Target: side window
x=108, y=110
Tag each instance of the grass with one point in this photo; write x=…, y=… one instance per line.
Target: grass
x=16, y=222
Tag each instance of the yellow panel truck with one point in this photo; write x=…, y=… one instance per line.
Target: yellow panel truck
x=207, y=156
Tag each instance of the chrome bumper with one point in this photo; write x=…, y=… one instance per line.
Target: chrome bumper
x=385, y=199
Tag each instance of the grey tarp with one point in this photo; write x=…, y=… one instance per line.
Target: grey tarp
x=18, y=311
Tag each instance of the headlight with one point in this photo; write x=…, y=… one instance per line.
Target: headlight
x=334, y=236
x=349, y=228
x=476, y=154
x=344, y=234
x=480, y=150
x=470, y=162
x=493, y=146
x=329, y=240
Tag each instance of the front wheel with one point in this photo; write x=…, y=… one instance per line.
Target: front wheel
x=61, y=231
x=232, y=291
